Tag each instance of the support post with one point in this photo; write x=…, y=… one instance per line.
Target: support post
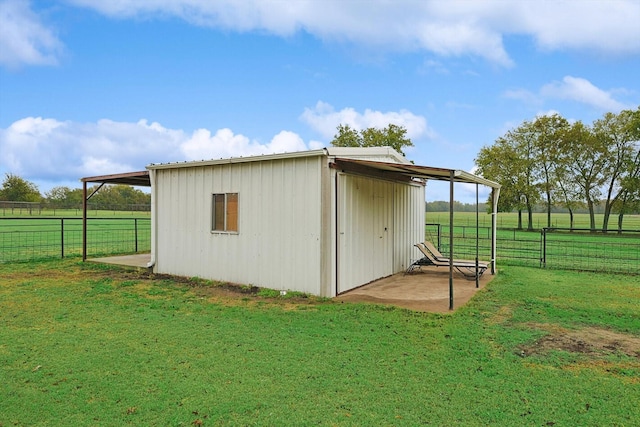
x=61, y=237
x=495, y=193
x=477, y=239
x=84, y=220
x=451, y=178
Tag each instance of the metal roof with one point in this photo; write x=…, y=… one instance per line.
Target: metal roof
x=416, y=171
x=139, y=178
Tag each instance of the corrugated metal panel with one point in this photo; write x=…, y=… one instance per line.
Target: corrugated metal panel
x=278, y=243
x=409, y=206
x=365, y=230
x=378, y=223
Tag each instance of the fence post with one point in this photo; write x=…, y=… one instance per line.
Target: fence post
x=61, y=237
x=544, y=248
x=135, y=226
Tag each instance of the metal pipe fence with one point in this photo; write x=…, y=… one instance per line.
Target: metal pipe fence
x=558, y=248
x=25, y=239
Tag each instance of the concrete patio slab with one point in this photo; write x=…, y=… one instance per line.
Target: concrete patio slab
x=426, y=289
x=137, y=260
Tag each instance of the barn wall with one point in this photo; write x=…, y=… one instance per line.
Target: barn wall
x=379, y=221
x=409, y=214
x=280, y=223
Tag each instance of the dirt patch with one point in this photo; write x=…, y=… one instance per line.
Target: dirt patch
x=226, y=293
x=590, y=341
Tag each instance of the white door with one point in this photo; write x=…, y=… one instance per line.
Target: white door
x=365, y=240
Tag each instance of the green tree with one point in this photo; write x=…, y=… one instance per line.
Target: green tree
x=16, y=189
x=511, y=162
x=585, y=157
x=628, y=199
x=568, y=193
x=118, y=197
x=546, y=133
x=619, y=144
x=64, y=197
x=393, y=136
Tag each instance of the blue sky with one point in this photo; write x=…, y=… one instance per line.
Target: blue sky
x=92, y=87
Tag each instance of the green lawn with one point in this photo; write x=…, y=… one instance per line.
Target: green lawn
x=84, y=344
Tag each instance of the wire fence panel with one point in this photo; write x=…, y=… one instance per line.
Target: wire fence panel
x=24, y=239
x=591, y=251
x=569, y=249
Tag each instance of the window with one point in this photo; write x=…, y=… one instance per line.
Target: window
x=224, y=216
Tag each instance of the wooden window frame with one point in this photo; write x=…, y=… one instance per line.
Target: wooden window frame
x=224, y=213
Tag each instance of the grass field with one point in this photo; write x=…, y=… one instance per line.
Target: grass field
x=85, y=344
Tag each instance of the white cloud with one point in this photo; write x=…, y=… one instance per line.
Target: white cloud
x=451, y=28
x=48, y=150
x=224, y=143
x=24, y=39
x=576, y=89
x=607, y=26
x=583, y=91
x=324, y=119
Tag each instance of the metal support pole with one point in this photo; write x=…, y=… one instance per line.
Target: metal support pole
x=84, y=221
x=544, y=248
x=61, y=237
x=495, y=194
x=135, y=226
x=477, y=239
x=451, y=177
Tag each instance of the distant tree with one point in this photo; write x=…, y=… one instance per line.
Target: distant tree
x=393, y=136
x=64, y=197
x=585, y=158
x=16, y=189
x=511, y=162
x=568, y=193
x=119, y=197
x=628, y=199
x=619, y=144
x=547, y=132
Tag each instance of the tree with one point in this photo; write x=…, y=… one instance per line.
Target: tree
x=628, y=199
x=618, y=142
x=64, y=197
x=547, y=132
x=511, y=162
x=393, y=136
x=118, y=197
x=568, y=191
x=585, y=158
x=16, y=189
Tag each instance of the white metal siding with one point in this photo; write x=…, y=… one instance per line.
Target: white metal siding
x=365, y=230
x=278, y=243
x=378, y=224
x=409, y=208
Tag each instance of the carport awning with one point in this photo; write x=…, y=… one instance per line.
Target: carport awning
x=415, y=171
x=140, y=178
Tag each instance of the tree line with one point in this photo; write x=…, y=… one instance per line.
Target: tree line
x=568, y=165
x=119, y=197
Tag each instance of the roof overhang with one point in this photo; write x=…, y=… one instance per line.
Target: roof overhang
x=139, y=178
x=414, y=171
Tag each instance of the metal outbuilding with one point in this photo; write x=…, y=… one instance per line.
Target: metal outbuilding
x=321, y=222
